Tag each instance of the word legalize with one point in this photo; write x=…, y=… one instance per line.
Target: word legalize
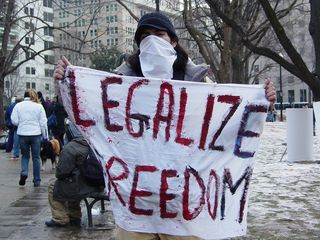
x=177, y=155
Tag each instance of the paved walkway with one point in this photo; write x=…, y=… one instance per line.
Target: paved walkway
x=284, y=201
x=23, y=210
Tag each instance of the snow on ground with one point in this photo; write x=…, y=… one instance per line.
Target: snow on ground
x=284, y=201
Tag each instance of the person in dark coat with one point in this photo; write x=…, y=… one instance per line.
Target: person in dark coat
x=10, y=126
x=59, y=130
x=43, y=102
x=66, y=191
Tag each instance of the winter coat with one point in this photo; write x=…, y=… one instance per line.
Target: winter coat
x=58, y=109
x=30, y=118
x=8, y=115
x=70, y=185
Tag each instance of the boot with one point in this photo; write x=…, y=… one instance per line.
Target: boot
x=22, y=180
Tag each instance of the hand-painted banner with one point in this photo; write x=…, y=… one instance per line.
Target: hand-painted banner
x=178, y=156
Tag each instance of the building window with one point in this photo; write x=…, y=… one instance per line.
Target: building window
x=279, y=97
x=48, y=31
x=30, y=70
x=48, y=44
x=30, y=55
x=111, y=19
x=29, y=26
x=33, y=85
x=303, y=95
x=290, y=96
x=142, y=12
x=29, y=40
x=28, y=85
x=48, y=59
x=47, y=3
x=47, y=87
x=48, y=72
x=48, y=17
x=29, y=11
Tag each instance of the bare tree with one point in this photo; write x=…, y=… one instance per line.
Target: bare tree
x=219, y=44
x=14, y=52
x=295, y=63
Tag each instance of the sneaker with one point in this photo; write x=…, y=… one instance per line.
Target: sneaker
x=22, y=180
x=52, y=223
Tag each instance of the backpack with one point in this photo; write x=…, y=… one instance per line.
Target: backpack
x=92, y=170
x=52, y=120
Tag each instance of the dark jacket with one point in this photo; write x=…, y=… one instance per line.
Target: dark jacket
x=58, y=109
x=8, y=115
x=70, y=185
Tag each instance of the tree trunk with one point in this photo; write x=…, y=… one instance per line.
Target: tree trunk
x=315, y=33
x=225, y=69
x=237, y=60
x=3, y=54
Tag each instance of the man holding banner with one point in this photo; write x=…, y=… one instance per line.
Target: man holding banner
x=174, y=152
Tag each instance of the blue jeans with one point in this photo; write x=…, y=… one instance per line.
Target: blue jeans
x=16, y=144
x=33, y=142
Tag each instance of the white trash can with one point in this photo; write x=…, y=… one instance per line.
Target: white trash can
x=299, y=134
x=316, y=109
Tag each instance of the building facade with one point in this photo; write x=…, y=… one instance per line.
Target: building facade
x=31, y=33
x=83, y=26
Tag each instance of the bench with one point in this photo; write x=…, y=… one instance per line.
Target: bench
x=90, y=199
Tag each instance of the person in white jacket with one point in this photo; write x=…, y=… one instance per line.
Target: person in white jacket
x=30, y=118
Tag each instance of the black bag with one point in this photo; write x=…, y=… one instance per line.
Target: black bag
x=92, y=170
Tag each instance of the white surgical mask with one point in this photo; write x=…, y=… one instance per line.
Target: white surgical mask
x=157, y=57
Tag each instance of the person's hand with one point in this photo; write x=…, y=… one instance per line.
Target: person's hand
x=60, y=68
x=270, y=91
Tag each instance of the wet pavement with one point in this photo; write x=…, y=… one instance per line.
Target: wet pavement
x=284, y=201
x=23, y=210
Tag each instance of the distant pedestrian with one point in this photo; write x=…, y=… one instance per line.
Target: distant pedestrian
x=59, y=129
x=9, y=125
x=43, y=102
x=30, y=118
x=16, y=142
x=272, y=114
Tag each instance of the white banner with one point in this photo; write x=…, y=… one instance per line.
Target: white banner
x=178, y=156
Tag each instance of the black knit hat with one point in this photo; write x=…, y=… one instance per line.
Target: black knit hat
x=155, y=20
